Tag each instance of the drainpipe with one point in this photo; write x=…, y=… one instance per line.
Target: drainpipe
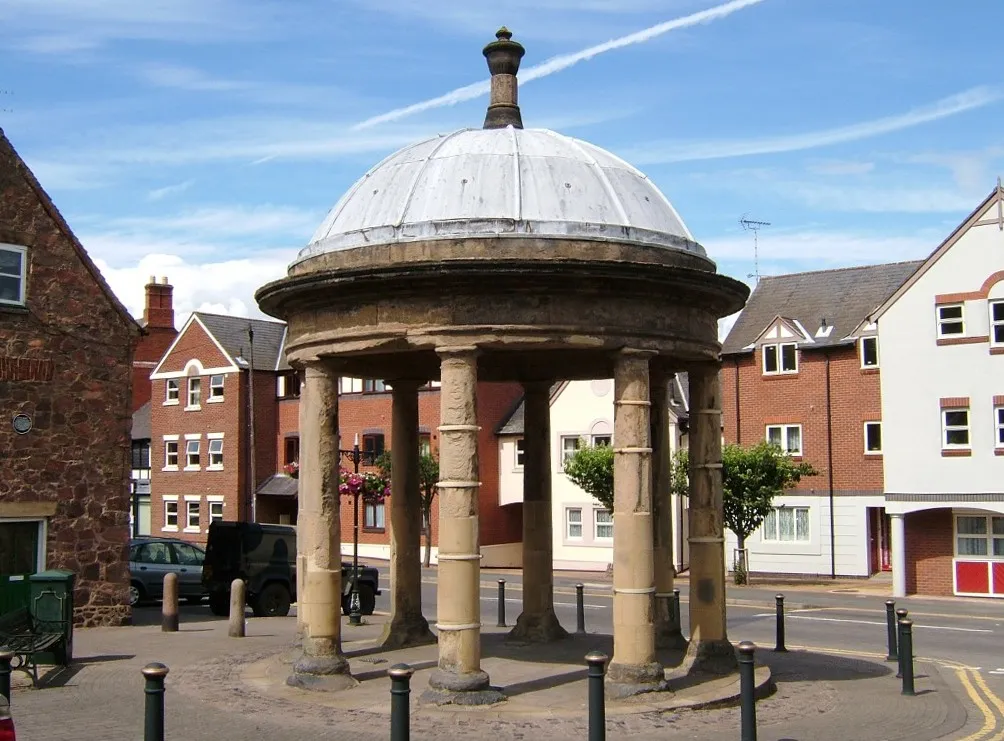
x=739, y=434
x=829, y=456
x=251, y=425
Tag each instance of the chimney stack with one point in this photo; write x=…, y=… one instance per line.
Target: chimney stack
x=158, y=313
x=503, y=57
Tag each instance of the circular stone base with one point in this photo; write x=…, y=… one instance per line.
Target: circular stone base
x=321, y=673
x=628, y=680
x=447, y=688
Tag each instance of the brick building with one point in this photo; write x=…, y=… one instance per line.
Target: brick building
x=801, y=368
x=66, y=351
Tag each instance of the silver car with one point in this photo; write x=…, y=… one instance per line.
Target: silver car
x=150, y=559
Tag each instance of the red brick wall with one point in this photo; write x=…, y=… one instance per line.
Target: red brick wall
x=929, y=551
x=497, y=524
x=194, y=343
x=150, y=349
x=66, y=360
x=801, y=399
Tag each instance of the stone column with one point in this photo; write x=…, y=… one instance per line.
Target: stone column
x=897, y=533
x=667, y=628
x=537, y=623
x=709, y=649
x=407, y=626
x=459, y=678
x=633, y=669
x=322, y=665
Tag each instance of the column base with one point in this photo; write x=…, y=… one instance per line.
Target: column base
x=405, y=632
x=710, y=657
x=448, y=688
x=537, y=627
x=628, y=680
x=670, y=637
x=321, y=674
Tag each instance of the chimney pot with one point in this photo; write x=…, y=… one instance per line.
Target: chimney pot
x=152, y=281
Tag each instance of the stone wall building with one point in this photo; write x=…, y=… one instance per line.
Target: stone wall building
x=66, y=347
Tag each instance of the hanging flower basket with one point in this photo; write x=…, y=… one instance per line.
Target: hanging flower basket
x=372, y=487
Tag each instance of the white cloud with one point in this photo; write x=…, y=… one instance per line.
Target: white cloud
x=187, y=78
x=158, y=194
x=674, y=151
x=840, y=167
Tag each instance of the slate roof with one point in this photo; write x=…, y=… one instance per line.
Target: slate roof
x=844, y=297
x=141, y=423
x=279, y=485
x=232, y=333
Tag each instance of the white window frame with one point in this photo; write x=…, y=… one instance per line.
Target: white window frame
x=215, y=397
x=189, y=501
x=988, y=537
x=999, y=426
x=861, y=343
x=349, y=385
x=767, y=537
x=171, y=441
x=193, y=388
x=519, y=453
x=784, y=438
x=779, y=357
x=566, y=454
x=168, y=501
x=215, y=441
x=375, y=507
x=995, y=323
x=946, y=428
x=865, y=429
x=189, y=443
x=216, y=505
x=172, y=392
x=22, y=278
x=594, y=439
x=961, y=306
x=597, y=538
x=569, y=522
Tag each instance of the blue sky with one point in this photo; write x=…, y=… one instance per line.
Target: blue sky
x=206, y=139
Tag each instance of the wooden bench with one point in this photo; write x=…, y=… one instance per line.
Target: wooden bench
x=21, y=633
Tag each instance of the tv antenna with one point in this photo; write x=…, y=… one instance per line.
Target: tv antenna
x=752, y=225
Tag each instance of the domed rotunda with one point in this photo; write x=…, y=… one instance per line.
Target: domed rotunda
x=509, y=254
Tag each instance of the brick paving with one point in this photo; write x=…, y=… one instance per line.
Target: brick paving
x=223, y=689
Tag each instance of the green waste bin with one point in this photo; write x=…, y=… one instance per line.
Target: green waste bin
x=52, y=606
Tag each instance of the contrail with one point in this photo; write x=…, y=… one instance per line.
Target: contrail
x=563, y=61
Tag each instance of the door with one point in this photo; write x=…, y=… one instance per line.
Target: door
x=189, y=560
x=19, y=547
x=153, y=562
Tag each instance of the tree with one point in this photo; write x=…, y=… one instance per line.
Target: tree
x=591, y=468
x=428, y=479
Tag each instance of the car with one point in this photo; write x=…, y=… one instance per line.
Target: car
x=6, y=721
x=150, y=559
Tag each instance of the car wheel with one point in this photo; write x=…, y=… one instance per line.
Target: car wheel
x=219, y=604
x=273, y=601
x=367, y=599
x=136, y=594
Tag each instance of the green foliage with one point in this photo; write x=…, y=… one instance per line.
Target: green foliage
x=428, y=478
x=592, y=470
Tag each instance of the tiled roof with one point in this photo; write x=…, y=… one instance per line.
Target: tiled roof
x=279, y=485
x=232, y=333
x=843, y=297
x=141, y=423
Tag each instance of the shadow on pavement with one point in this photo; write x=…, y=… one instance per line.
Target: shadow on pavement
x=151, y=614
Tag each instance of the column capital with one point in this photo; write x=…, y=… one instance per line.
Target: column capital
x=405, y=384
x=637, y=352
x=451, y=350
x=319, y=369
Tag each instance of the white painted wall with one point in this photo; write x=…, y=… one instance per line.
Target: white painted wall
x=917, y=373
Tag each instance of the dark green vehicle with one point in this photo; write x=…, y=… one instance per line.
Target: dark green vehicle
x=264, y=556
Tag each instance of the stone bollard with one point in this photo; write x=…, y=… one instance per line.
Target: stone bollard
x=747, y=692
x=400, y=692
x=153, y=726
x=6, y=657
x=237, y=622
x=597, y=712
x=501, y=623
x=779, y=608
x=580, y=609
x=901, y=614
x=890, y=625
x=169, y=611
x=906, y=655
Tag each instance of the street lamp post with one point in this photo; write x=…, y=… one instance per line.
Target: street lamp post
x=355, y=609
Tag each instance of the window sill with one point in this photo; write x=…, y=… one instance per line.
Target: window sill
x=956, y=452
x=215, y=400
x=215, y=468
x=192, y=530
x=869, y=370
x=873, y=453
x=18, y=308
x=193, y=468
x=775, y=376
x=942, y=341
x=998, y=451
x=172, y=403
x=196, y=408
x=169, y=468
x=374, y=529
x=170, y=528
x=997, y=350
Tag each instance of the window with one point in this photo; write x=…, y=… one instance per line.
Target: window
x=373, y=447
x=425, y=444
x=155, y=553
x=950, y=320
x=786, y=525
x=569, y=444
x=873, y=437
x=955, y=426
x=12, y=274
x=869, y=352
x=171, y=514
x=191, y=454
x=979, y=535
x=171, y=391
x=288, y=385
x=786, y=437
x=216, y=387
x=997, y=322
x=291, y=450
x=373, y=516
x=215, y=512
x=215, y=452
x=573, y=523
x=170, y=454
x=603, y=524
x=781, y=358
x=195, y=392
x=351, y=385
x=188, y=555
x=520, y=453
x=140, y=455
x=598, y=440
x=192, y=511
x=999, y=419
x=373, y=386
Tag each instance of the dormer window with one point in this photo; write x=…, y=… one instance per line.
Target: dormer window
x=869, y=352
x=780, y=358
x=13, y=270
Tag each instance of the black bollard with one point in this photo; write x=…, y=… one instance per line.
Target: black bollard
x=747, y=692
x=901, y=614
x=779, y=604
x=890, y=622
x=597, y=713
x=400, y=692
x=580, y=609
x=676, y=610
x=6, y=657
x=906, y=654
x=154, y=723
x=501, y=623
